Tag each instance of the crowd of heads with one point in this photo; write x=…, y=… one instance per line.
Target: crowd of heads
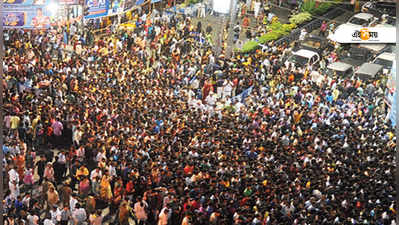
x=150, y=123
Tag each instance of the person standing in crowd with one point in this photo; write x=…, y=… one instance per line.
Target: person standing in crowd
x=323, y=28
x=140, y=210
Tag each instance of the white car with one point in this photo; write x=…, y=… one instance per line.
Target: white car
x=386, y=60
x=304, y=58
x=362, y=20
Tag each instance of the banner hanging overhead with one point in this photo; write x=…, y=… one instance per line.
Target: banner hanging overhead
x=101, y=8
x=26, y=14
x=116, y=7
x=96, y=8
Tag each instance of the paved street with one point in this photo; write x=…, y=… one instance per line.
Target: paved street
x=282, y=13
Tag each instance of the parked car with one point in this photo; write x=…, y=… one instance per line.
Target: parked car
x=362, y=20
x=391, y=48
x=304, y=57
x=378, y=8
x=369, y=72
x=340, y=69
x=375, y=49
x=356, y=56
x=386, y=60
x=317, y=44
x=388, y=21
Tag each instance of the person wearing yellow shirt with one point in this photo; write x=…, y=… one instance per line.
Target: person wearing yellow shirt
x=34, y=124
x=14, y=121
x=82, y=172
x=335, y=94
x=297, y=117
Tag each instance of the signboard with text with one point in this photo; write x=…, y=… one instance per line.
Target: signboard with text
x=25, y=14
x=96, y=8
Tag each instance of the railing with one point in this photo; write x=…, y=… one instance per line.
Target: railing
x=313, y=25
x=101, y=32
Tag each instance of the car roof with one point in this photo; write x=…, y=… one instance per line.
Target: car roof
x=373, y=47
x=353, y=62
x=387, y=56
x=365, y=16
x=305, y=53
x=339, y=66
x=315, y=37
x=386, y=2
x=369, y=69
x=386, y=25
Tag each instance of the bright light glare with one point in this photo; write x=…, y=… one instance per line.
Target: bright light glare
x=52, y=7
x=221, y=6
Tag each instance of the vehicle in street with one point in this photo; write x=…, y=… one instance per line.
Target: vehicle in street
x=387, y=21
x=369, y=72
x=391, y=48
x=304, y=57
x=386, y=60
x=340, y=69
x=378, y=8
x=356, y=56
x=317, y=44
x=375, y=49
x=362, y=20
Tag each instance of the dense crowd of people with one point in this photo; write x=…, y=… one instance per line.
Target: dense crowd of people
x=154, y=126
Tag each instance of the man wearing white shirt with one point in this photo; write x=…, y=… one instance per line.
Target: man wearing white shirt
x=48, y=221
x=95, y=173
x=33, y=219
x=13, y=183
x=79, y=215
x=227, y=89
x=112, y=170
x=72, y=203
x=62, y=161
x=256, y=8
x=100, y=156
x=13, y=175
x=210, y=99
